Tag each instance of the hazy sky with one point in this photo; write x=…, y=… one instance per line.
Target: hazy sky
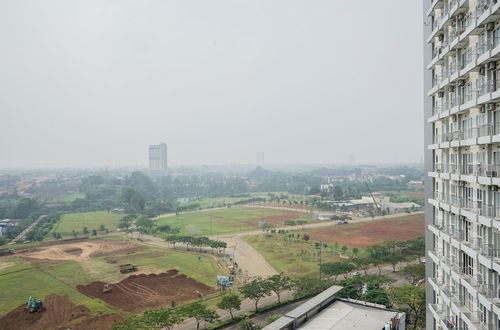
x=86, y=83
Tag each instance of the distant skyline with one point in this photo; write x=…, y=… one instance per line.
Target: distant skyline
x=94, y=83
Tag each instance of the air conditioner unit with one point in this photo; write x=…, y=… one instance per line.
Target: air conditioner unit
x=452, y=89
x=482, y=109
x=441, y=37
x=494, y=188
x=482, y=71
x=454, y=118
x=461, y=83
x=440, y=94
x=460, y=17
x=490, y=106
x=492, y=65
x=490, y=26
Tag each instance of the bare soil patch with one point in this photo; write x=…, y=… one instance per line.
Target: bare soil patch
x=59, y=313
x=77, y=251
x=143, y=291
x=374, y=232
x=278, y=219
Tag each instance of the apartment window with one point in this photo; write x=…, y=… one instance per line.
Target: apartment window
x=468, y=264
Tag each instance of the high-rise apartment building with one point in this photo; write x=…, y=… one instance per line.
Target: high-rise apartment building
x=158, y=158
x=462, y=159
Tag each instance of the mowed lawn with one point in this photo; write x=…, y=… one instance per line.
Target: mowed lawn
x=364, y=234
x=91, y=220
x=228, y=220
x=20, y=281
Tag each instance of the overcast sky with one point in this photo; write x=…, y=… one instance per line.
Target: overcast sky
x=92, y=83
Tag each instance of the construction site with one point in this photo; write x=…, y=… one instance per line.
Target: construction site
x=89, y=284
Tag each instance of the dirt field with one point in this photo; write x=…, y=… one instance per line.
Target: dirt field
x=370, y=233
x=139, y=292
x=59, y=313
x=77, y=251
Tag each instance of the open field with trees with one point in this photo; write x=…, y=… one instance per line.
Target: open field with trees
x=234, y=219
x=300, y=253
x=59, y=268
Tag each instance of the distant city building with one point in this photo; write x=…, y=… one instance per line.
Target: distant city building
x=158, y=159
x=260, y=158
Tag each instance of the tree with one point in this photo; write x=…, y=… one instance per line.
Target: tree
x=361, y=263
x=375, y=294
x=74, y=233
x=337, y=268
x=102, y=228
x=256, y=290
x=229, y=303
x=279, y=283
x=414, y=273
x=133, y=200
x=344, y=249
x=412, y=298
x=201, y=313
x=94, y=232
x=145, y=224
x=307, y=286
x=163, y=318
x=85, y=230
x=393, y=259
x=247, y=324
x=125, y=222
x=355, y=251
x=306, y=237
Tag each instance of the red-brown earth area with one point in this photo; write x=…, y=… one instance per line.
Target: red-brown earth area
x=140, y=292
x=374, y=232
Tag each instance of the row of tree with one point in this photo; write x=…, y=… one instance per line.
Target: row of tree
x=198, y=242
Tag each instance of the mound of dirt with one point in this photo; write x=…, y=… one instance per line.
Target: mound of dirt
x=59, y=313
x=139, y=292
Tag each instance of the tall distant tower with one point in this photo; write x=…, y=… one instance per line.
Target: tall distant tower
x=260, y=158
x=158, y=159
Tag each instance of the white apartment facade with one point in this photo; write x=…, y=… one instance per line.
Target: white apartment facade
x=462, y=153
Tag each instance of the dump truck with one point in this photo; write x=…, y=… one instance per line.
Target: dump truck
x=35, y=305
x=6, y=252
x=127, y=268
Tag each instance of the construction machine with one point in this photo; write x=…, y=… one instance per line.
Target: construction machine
x=35, y=305
x=127, y=268
x=6, y=252
x=107, y=289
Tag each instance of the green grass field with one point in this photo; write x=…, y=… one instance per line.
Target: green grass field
x=72, y=197
x=235, y=219
x=91, y=220
x=293, y=257
x=220, y=201
x=20, y=281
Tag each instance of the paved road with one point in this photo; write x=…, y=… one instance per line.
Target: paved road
x=23, y=234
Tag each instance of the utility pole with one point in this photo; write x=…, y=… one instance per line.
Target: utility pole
x=320, y=247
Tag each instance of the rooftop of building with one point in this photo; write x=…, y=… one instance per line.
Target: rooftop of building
x=326, y=311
